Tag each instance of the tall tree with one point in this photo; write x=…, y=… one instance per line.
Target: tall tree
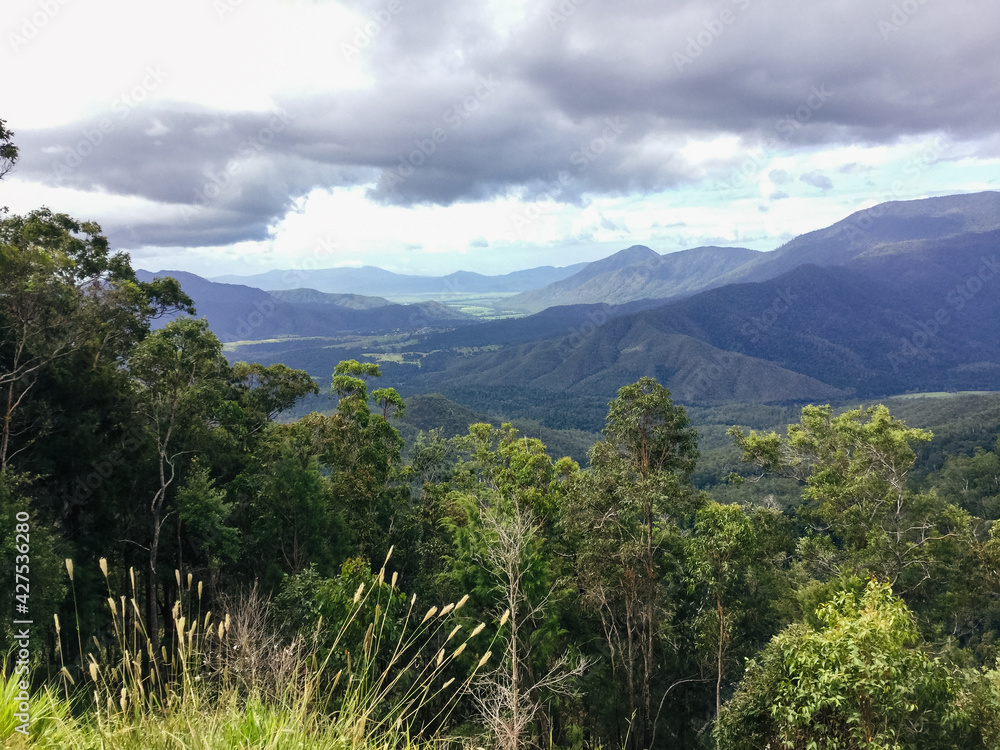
x=737, y=558
x=624, y=515
x=65, y=295
x=854, y=468
x=180, y=377
x=504, y=506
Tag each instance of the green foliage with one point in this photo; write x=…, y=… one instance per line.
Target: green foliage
x=266, y=391
x=971, y=482
x=857, y=681
x=736, y=561
x=203, y=513
x=332, y=611
x=645, y=429
x=42, y=566
x=8, y=151
x=288, y=517
x=854, y=468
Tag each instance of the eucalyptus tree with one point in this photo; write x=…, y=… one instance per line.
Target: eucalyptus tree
x=854, y=469
x=626, y=516
x=66, y=296
x=179, y=377
x=504, y=502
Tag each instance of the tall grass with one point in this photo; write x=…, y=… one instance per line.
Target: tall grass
x=227, y=681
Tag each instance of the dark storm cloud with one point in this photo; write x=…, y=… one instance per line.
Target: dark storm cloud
x=580, y=97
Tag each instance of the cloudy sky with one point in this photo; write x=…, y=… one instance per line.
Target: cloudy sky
x=427, y=136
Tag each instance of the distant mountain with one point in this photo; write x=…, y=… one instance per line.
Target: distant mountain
x=885, y=229
x=312, y=296
x=369, y=280
x=621, y=351
x=241, y=313
x=921, y=314
x=638, y=273
x=903, y=297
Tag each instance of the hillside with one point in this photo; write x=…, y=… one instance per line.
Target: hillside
x=638, y=273
x=239, y=313
x=886, y=229
x=313, y=296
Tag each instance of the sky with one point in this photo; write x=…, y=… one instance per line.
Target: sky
x=428, y=136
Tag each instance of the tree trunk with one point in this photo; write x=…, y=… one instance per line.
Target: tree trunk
x=718, y=681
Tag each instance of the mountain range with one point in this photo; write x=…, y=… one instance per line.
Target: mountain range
x=900, y=297
x=638, y=273
x=238, y=313
x=370, y=280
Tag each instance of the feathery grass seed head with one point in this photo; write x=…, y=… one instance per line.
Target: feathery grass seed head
x=506, y=615
x=69, y=568
x=430, y=613
x=357, y=594
x=103, y=562
x=452, y=633
x=478, y=629
x=461, y=602
x=486, y=658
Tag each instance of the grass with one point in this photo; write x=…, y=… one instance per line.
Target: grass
x=227, y=682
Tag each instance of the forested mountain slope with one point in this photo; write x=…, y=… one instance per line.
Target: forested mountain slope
x=638, y=273
x=237, y=312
